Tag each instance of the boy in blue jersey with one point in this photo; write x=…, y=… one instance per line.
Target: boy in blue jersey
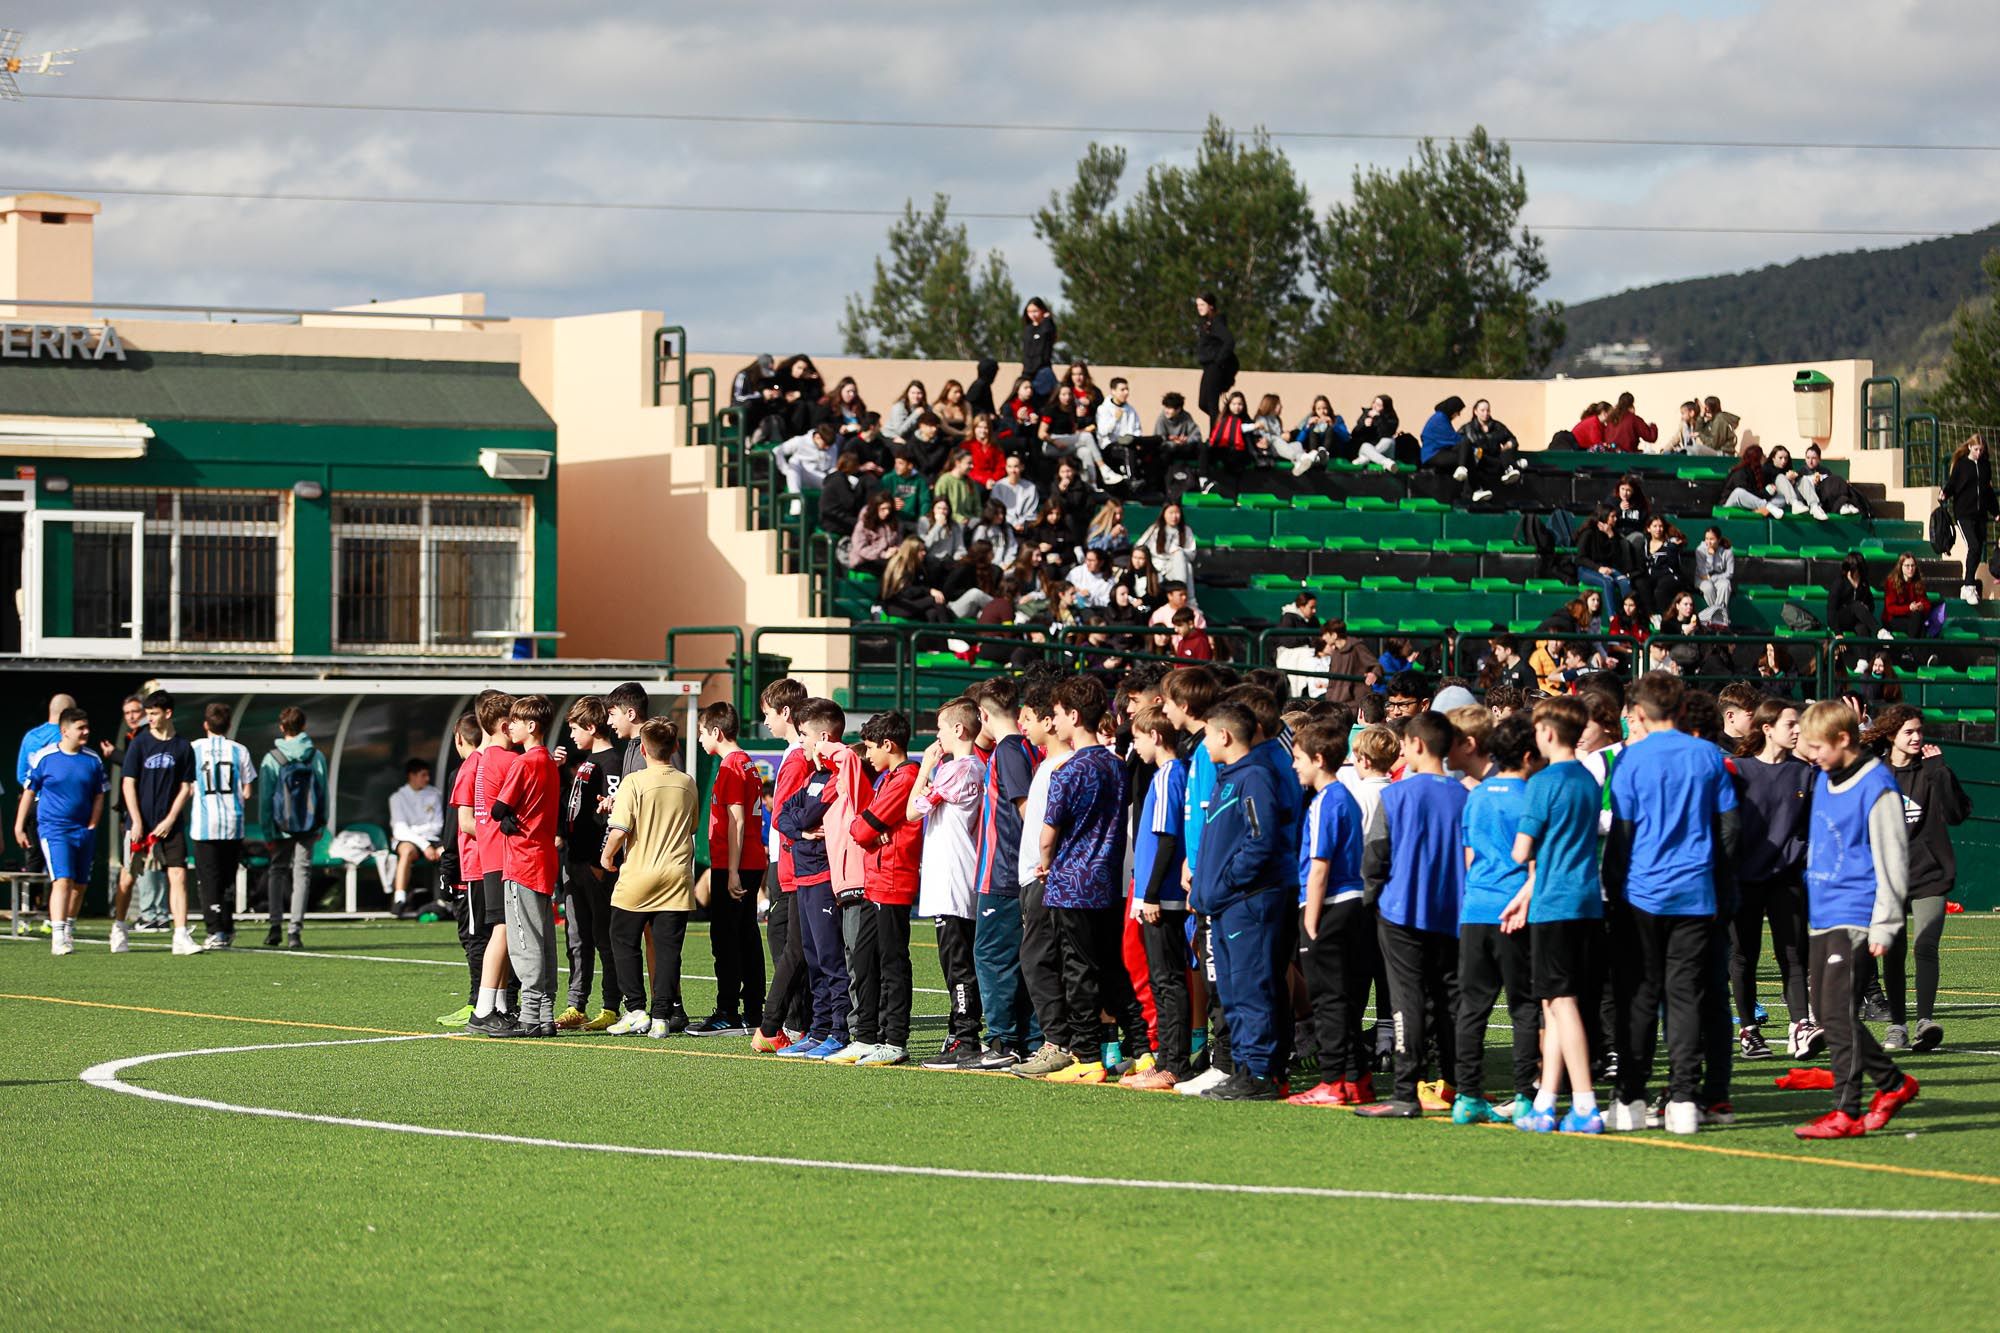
x=223, y=774
x=1333, y=922
x=1673, y=832
x=1186, y=696
x=1413, y=866
x=1242, y=885
x=1560, y=913
x=1159, y=899
x=65, y=788
x=1857, y=889
x=1489, y=958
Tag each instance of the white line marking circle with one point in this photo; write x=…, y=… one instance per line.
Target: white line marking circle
x=106, y=1076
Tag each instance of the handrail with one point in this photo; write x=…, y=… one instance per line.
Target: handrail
x=1881, y=422
x=1922, y=444
x=735, y=664
x=852, y=633
x=665, y=354
x=18, y=302
x=697, y=399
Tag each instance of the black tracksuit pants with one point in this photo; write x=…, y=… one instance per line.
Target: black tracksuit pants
x=1783, y=903
x=1041, y=968
x=215, y=863
x=1090, y=952
x=1339, y=965
x=1423, y=988
x=1656, y=958
x=788, y=1002
x=732, y=936
x=1167, y=969
x=961, y=977
x=1487, y=960
x=628, y=947
x=1838, y=980
x=1718, y=1033
x=587, y=934
x=879, y=974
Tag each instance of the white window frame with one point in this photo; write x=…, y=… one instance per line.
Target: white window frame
x=173, y=529
x=429, y=536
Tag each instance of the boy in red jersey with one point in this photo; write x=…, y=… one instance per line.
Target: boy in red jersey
x=487, y=899
x=735, y=874
x=527, y=806
x=891, y=843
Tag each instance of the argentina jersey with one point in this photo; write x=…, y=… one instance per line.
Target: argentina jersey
x=221, y=770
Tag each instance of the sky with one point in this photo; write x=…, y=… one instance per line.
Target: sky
x=1832, y=71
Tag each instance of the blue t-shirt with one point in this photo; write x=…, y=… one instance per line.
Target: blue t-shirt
x=1009, y=775
x=39, y=738
x=1561, y=816
x=1087, y=809
x=1426, y=858
x=1670, y=787
x=1333, y=835
x=1161, y=814
x=1200, y=787
x=65, y=787
x=1492, y=818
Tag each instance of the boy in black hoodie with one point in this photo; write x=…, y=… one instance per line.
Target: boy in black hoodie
x=979, y=394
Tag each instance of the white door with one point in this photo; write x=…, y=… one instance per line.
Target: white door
x=92, y=590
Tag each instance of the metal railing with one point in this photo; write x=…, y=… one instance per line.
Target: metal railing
x=669, y=363
x=289, y=314
x=1881, y=412
x=733, y=667
x=1923, y=450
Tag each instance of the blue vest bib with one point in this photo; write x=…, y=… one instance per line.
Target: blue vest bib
x=1840, y=865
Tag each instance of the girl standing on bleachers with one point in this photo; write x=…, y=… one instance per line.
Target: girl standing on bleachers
x=1969, y=488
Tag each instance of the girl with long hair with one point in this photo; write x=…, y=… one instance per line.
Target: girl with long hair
x=1906, y=607
x=1171, y=543
x=1774, y=797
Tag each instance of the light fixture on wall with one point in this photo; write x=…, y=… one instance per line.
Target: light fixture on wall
x=56, y=485
x=308, y=490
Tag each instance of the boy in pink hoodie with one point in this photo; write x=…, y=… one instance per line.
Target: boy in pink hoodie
x=826, y=865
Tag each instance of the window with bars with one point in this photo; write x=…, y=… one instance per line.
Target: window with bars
x=214, y=564
x=428, y=572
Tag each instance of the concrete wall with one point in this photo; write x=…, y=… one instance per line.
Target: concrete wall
x=45, y=255
x=1761, y=395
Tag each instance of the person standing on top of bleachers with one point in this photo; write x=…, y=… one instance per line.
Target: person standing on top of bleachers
x=1625, y=428
x=1969, y=488
x=1374, y=434
x=1038, y=345
x=1214, y=352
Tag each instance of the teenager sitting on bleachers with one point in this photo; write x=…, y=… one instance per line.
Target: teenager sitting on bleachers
x=1715, y=577
x=957, y=488
x=1322, y=436
x=1795, y=490
x=1068, y=432
x=1492, y=443
x=1661, y=572
x=994, y=529
x=876, y=535
x=1906, y=607
x=1629, y=628
x=1020, y=499
x=1686, y=437
x=1118, y=436
x=1303, y=613
x=1085, y=396
x=805, y=460
x=1077, y=497
x=842, y=495
x=872, y=447
x=1018, y=423
x=1179, y=433
x=842, y=408
x=1718, y=428
x=971, y=581
x=1231, y=437
x=1172, y=543
x=1629, y=506
x=1093, y=579
x=1743, y=488
x=1107, y=532
x=801, y=392
x=1174, y=596
x=1625, y=428
x=1833, y=492
x=907, y=592
x=1850, y=603
x=943, y=536
x=1603, y=560
x=989, y=460
x=1270, y=439
x=1142, y=575
x=1050, y=534
x=902, y=418
x=1374, y=433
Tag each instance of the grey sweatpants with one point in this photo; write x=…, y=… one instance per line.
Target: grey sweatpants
x=531, y=947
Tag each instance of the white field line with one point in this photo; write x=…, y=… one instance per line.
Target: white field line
x=106, y=1076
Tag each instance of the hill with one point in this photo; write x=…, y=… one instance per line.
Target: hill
x=1894, y=306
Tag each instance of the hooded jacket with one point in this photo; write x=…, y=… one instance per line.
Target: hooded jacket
x=891, y=842
x=1248, y=841
x=288, y=750
x=1933, y=800
x=979, y=394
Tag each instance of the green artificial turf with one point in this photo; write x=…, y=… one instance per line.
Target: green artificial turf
x=124, y=1210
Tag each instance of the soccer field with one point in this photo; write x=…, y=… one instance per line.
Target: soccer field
x=263, y=1139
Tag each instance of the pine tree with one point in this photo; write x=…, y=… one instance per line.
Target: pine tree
x=1970, y=389
x=928, y=300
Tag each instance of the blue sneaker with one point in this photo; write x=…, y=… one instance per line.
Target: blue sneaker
x=802, y=1048
x=1583, y=1124
x=1536, y=1122
x=831, y=1046
x=1759, y=1015
x=1469, y=1110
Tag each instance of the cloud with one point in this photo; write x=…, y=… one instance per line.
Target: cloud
x=1720, y=69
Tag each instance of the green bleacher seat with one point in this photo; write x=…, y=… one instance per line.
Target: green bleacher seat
x=1260, y=500
x=1273, y=582
x=1769, y=551
x=1240, y=541
x=1731, y=511
x=1457, y=546
x=1206, y=500
x=1421, y=626
x=1475, y=626
x=1508, y=547
x=1348, y=542
x=1439, y=583
x=1331, y=583
x=1422, y=504
x=1366, y=625
x=1386, y=583
x=1400, y=544
x=1976, y=717
x=1314, y=502
x=1805, y=591
x=1365, y=503
x=1493, y=585
x=1983, y=674
x=1524, y=625
x=1547, y=585
x=1819, y=553
x=1294, y=541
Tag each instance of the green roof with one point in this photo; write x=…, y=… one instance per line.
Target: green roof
x=304, y=390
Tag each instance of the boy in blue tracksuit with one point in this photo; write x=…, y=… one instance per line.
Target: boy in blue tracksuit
x=1413, y=866
x=1857, y=889
x=1249, y=848
x=1186, y=695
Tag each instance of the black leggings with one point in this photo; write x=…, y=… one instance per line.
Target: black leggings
x=587, y=932
x=787, y=1003
x=628, y=946
x=1783, y=903
x=1338, y=965
x=1926, y=923
x=215, y=863
x=1167, y=969
x=1974, y=531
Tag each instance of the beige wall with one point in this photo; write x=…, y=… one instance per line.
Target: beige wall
x=1761, y=395
x=45, y=260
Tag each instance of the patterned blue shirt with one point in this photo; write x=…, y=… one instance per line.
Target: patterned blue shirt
x=1087, y=809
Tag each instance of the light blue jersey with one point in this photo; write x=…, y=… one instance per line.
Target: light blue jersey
x=222, y=775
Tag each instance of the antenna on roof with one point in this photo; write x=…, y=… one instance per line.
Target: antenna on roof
x=48, y=63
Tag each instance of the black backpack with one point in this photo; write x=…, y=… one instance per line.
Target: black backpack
x=1944, y=530
x=1795, y=617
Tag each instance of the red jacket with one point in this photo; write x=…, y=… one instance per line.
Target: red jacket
x=1589, y=433
x=989, y=461
x=892, y=844
x=1624, y=434
x=793, y=771
x=1228, y=433
x=1906, y=599
x=1195, y=647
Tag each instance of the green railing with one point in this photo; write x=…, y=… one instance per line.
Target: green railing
x=1881, y=412
x=669, y=363
x=733, y=668
x=1923, y=453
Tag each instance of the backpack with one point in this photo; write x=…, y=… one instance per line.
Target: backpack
x=1944, y=530
x=299, y=804
x=1796, y=617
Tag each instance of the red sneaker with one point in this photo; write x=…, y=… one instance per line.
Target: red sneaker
x=1362, y=1090
x=1882, y=1109
x=1326, y=1094
x=1833, y=1125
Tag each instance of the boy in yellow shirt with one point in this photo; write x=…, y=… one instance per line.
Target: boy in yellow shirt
x=652, y=822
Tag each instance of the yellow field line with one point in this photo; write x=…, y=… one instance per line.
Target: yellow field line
x=222, y=1018
x=1884, y=1167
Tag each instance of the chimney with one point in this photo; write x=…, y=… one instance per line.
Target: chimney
x=45, y=255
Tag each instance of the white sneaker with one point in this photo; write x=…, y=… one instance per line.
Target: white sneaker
x=1478, y=496
x=1626, y=1117
x=61, y=943
x=884, y=1054
x=1111, y=476
x=635, y=1023
x=217, y=941
x=1459, y=474
x=658, y=1030
x=1683, y=1118
x=184, y=942
x=851, y=1053
x=121, y=937
x=1819, y=513
x=1304, y=462
x=1884, y=634
x=1201, y=1082
x=1969, y=594
x=1511, y=475
x=1850, y=509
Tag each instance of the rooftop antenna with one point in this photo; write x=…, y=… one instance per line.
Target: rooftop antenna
x=12, y=62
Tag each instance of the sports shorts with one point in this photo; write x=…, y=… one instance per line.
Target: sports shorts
x=1560, y=955
x=488, y=901
x=69, y=852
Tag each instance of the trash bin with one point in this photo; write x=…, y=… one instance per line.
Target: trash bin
x=1812, y=395
x=767, y=668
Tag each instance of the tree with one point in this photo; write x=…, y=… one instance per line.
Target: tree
x=1970, y=389
x=1237, y=223
x=1428, y=272
x=928, y=302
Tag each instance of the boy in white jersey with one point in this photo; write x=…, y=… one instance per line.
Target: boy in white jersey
x=416, y=827
x=222, y=777
x=949, y=786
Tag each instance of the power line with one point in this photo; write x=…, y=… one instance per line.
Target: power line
x=860, y=122
x=780, y=210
